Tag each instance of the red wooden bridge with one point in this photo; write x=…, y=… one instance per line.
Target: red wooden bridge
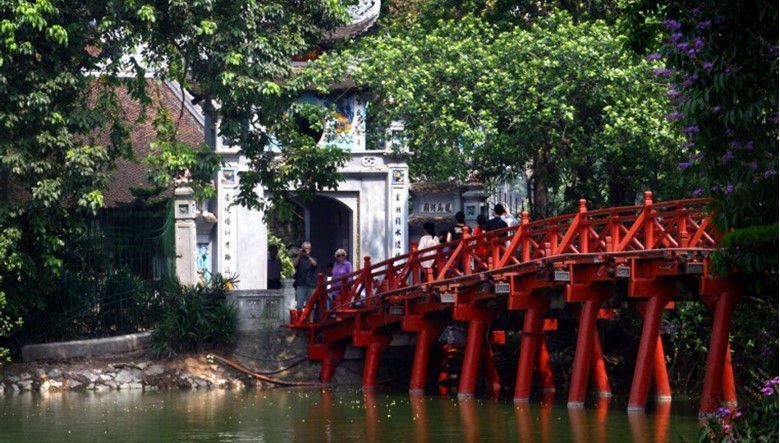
x=652, y=255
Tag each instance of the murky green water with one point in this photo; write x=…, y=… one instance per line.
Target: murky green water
x=314, y=415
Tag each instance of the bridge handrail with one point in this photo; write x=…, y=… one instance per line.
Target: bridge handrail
x=664, y=225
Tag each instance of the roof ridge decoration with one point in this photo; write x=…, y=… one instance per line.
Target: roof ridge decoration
x=363, y=14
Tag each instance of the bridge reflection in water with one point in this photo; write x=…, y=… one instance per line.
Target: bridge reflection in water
x=339, y=415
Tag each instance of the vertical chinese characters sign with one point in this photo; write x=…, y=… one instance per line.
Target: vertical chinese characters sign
x=399, y=197
x=228, y=234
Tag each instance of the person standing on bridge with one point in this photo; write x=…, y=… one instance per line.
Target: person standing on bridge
x=305, y=275
x=497, y=222
x=341, y=268
x=274, y=269
x=456, y=232
x=429, y=240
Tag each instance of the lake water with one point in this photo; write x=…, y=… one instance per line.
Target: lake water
x=321, y=415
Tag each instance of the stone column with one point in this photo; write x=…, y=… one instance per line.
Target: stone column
x=186, y=233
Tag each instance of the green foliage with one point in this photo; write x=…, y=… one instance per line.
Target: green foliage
x=559, y=101
x=195, y=317
x=284, y=255
x=753, y=251
x=753, y=344
x=755, y=421
x=64, y=67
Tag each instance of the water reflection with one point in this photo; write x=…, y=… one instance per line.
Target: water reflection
x=324, y=415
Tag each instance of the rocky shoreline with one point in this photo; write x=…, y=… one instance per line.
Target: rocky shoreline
x=124, y=372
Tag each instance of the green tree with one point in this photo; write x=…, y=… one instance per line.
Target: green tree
x=62, y=67
x=558, y=101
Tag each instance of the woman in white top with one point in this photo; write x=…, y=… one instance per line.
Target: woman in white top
x=428, y=240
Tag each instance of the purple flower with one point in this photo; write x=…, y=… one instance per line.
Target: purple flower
x=673, y=117
x=748, y=146
x=696, y=157
x=708, y=66
x=683, y=166
x=690, y=81
x=768, y=391
x=697, y=192
x=704, y=25
x=730, y=132
x=728, y=156
x=754, y=165
x=728, y=189
x=652, y=57
x=682, y=46
x=663, y=72
x=672, y=25
x=769, y=172
x=690, y=130
x=715, y=109
x=673, y=94
x=773, y=51
x=775, y=381
x=676, y=36
x=723, y=412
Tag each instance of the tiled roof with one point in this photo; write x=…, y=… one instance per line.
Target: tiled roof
x=133, y=173
x=433, y=188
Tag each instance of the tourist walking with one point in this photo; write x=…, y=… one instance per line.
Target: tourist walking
x=305, y=275
x=456, y=232
x=481, y=248
x=428, y=240
x=496, y=222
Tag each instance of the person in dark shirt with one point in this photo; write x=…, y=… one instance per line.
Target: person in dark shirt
x=496, y=222
x=456, y=232
x=305, y=275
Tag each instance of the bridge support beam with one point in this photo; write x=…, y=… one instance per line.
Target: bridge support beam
x=492, y=380
x=531, y=338
x=375, y=344
x=330, y=355
x=583, y=353
x=716, y=355
x=544, y=369
x=478, y=323
x=426, y=332
x=598, y=369
x=646, y=357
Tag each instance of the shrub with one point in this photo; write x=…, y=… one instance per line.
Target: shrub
x=196, y=317
x=756, y=421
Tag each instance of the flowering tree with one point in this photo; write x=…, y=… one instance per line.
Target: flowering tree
x=720, y=59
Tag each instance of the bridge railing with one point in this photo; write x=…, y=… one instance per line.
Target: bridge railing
x=673, y=224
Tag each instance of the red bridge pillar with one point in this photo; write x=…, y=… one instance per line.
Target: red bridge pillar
x=427, y=331
x=330, y=355
x=478, y=323
x=583, y=353
x=646, y=357
x=716, y=355
x=531, y=340
x=375, y=344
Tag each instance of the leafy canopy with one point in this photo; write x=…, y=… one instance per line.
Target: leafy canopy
x=535, y=94
x=64, y=65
